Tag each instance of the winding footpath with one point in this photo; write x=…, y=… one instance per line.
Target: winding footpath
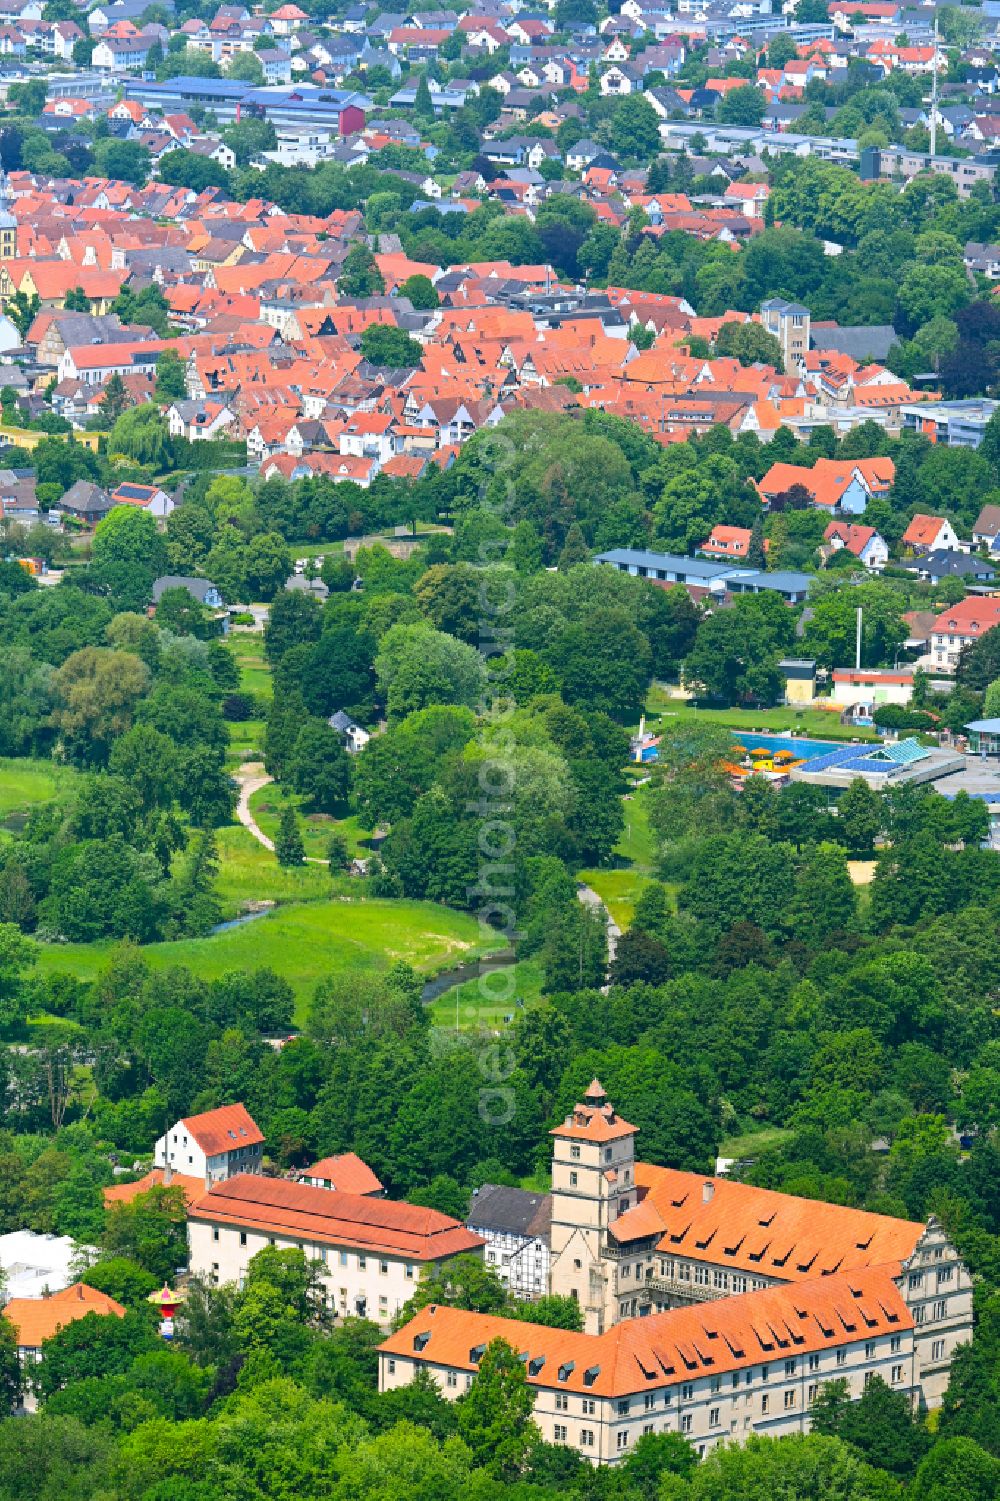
x=250, y=778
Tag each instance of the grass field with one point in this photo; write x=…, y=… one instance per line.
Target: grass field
x=752, y=1143
x=246, y=742
x=315, y=828
x=822, y=724
x=305, y=942
x=468, y=1006
x=250, y=873
x=24, y=783
x=255, y=674
x=619, y=886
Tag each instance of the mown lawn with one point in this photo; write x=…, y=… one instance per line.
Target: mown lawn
x=24, y=783
x=246, y=743
x=470, y=1006
x=315, y=828
x=305, y=942
x=822, y=724
x=255, y=674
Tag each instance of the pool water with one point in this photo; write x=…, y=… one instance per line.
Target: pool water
x=801, y=748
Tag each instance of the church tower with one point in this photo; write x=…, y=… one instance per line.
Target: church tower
x=8, y=224
x=593, y=1182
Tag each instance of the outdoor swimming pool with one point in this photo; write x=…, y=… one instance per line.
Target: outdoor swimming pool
x=801, y=748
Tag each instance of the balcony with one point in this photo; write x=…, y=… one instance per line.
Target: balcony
x=691, y=1292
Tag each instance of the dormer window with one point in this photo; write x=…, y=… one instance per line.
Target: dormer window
x=420, y=1341
x=476, y=1354
x=566, y=1370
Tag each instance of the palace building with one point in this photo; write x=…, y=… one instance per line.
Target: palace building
x=711, y=1308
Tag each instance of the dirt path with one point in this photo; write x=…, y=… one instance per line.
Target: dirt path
x=250, y=778
x=588, y=896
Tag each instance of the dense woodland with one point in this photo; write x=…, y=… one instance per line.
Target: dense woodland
x=755, y=989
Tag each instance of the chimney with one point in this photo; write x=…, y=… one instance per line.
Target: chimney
x=168, y=1173
x=707, y=1192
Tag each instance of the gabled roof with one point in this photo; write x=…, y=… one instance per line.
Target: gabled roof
x=757, y=1230
x=223, y=1130
x=325, y=1216
x=669, y=1348
x=38, y=1319
x=347, y=1173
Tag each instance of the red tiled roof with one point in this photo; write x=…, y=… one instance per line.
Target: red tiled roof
x=666, y=1349
x=758, y=1231
x=38, y=1319
x=347, y=1173
x=124, y=1193
x=328, y=1217
x=224, y=1129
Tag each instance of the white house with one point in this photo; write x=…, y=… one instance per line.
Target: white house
x=516, y=1226
x=213, y=1146
x=371, y=1250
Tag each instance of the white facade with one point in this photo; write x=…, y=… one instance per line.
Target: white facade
x=35, y=1265
x=357, y=1284
x=180, y=1150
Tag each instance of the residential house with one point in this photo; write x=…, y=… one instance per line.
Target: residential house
x=516, y=1226
x=346, y=1173
x=986, y=530
x=35, y=1320
x=864, y=542
x=203, y=590
x=929, y=534
x=726, y=542
x=789, y=323
x=945, y=563
x=216, y=1145
x=958, y=626
x=199, y=421
x=354, y=736
x=86, y=501
x=146, y=497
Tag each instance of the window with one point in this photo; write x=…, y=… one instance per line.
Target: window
x=919, y=1314
x=215, y=1233
x=243, y=1237
x=622, y=1406
x=811, y=1393
x=715, y=1385
x=626, y=1271
x=686, y=1423
x=562, y=1402
x=574, y=1152
x=572, y=1180
x=916, y=1279
x=789, y=1367
x=713, y=1417
x=841, y=1357
x=607, y=1154
x=559, y=1433
x=647, y=1428
x=452, y=1378
x=687, y=1391
x=623, y=1438
x=895, y=1344
x=765, y=1371
x=940, y=1308
x=391, y=1366
x=589, y=1407
x=870, y=1348
x=587, y=1437
x=897, y=1373
x=790, y=1398
x=720, y=1279
x=944, y=1275
x=362, y=1263
x=814, y=1362
x=701, y=1275
x=739, y=1284
x=343, y=1258
x=383, y=1267
x=764, y=1402
x=937, y=1350
x=735, y=1380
